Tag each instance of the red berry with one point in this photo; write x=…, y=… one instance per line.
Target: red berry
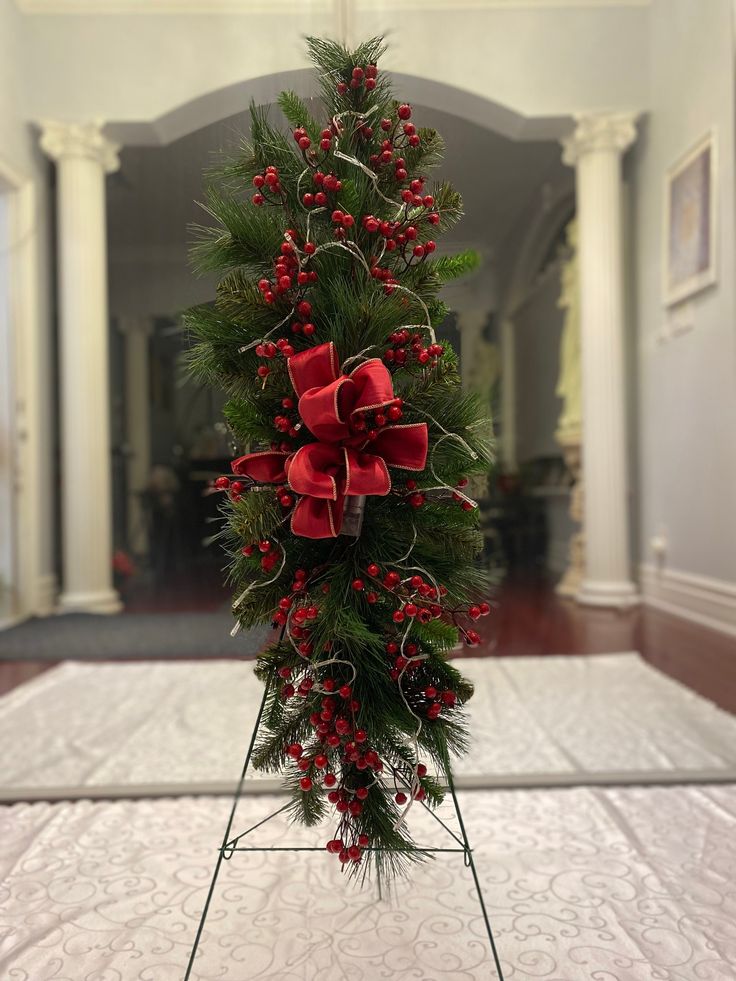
x=330, y=780
x=371, y=597
x=398, y=616
x=416, y=500
x=358, y=585
x=334, y=846
x=485, y=609
x=372, y=570
x=404, y=111
x=473, y=612
x=222, y=483
x=400, y=798
x=258, y=199
x=430, y=691
x=305, y=783
x=472, y=639
x=308, y=329
x=410, y=610
x=295, y=750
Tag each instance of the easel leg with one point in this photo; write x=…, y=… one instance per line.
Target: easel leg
x=471, y=862
x=226, y=837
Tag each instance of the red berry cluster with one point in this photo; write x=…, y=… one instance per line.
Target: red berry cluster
x=235, y=488
x=401, y=236
x=268, y=187
x=301, y=138
x=370, y=422
x=287, y=274
x=360, y=77
x=406, y=591
x=284, y=423
x=269, y=555
x=327, y=186
x=406, y=347
x=343, y=222
x=459, y=499
x=400, y=133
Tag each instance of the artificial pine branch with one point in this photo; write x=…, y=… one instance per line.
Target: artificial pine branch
x=324, y=237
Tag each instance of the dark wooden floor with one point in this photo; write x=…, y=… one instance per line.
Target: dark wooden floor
x=529, y=619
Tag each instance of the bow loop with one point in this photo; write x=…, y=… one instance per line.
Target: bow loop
x=313, y=368
x=374, y=386
x=325, y=409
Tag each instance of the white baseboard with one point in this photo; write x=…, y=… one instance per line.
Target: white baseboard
x=702, y=599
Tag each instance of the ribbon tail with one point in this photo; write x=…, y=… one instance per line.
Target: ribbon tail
x=317, y=518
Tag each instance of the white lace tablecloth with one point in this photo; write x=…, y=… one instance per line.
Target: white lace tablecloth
x=158, y=727
x=602, y=884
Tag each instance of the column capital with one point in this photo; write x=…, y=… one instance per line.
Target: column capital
x=599, y=131
x=61, y=141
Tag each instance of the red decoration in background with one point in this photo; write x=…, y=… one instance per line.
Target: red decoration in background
x=355, y=442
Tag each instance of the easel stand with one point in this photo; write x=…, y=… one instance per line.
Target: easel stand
x=230, y=845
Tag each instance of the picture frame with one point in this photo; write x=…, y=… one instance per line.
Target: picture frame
x=690, y=222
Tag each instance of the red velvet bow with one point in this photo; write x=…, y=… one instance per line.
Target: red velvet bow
x=344, y=461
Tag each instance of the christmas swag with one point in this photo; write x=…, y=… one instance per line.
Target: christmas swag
x=346, y=521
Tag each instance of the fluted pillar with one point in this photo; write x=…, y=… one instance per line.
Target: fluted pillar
x=137, y=332
x=595, y=150
x=83, y=156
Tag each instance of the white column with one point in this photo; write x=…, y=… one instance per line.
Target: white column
x=137, y=331
x=595, y=149
x=83, y=156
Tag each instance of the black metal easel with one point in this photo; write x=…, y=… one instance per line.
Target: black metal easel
x=231, y=845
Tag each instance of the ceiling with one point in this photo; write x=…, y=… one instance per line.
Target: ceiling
x=151, y=200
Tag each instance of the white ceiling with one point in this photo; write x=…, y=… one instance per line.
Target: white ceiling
x=151, y=199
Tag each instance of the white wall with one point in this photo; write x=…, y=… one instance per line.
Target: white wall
x=687, y=384
x=142, y=66
x=30, y=259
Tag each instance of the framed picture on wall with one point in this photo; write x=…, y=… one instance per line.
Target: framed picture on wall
x=690, y=222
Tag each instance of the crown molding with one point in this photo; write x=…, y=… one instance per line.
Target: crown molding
x=250, y=7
